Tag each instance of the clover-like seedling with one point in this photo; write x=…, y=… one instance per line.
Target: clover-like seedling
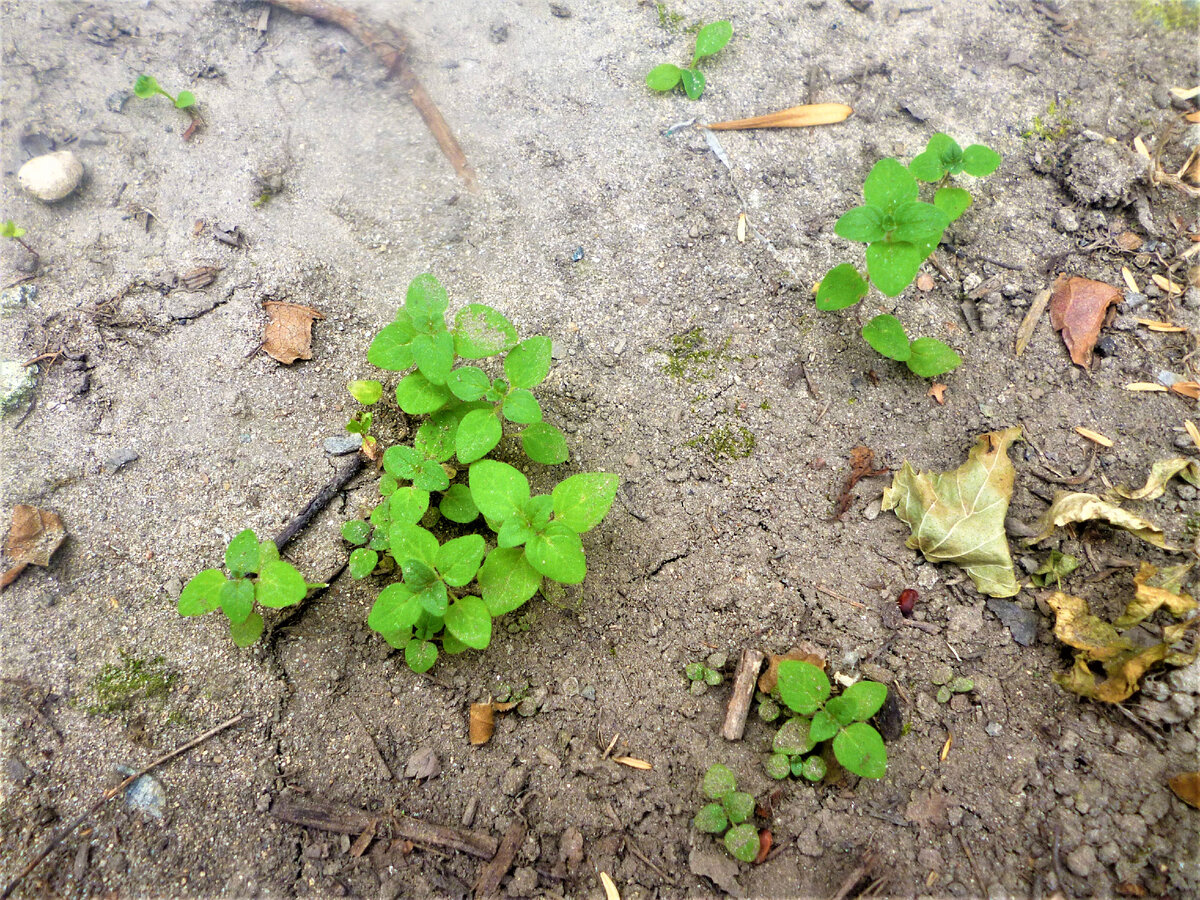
x=147, y=86
x=709, y=40
x=951, y=684
x=11, y=229
x=368, y=393
x=729, y=814
x=256, y=575
x=698, y=672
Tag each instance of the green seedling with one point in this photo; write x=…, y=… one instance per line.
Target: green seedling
x=1057, y=566
x=951, y=684
x=728, y=814
x=709, y=40
x=146, y=87
x=699, y=672
x=1051, y=125
x=256, y=575
x=818, y=718
x=368, y=393
x=11, y=229
x=900, y=232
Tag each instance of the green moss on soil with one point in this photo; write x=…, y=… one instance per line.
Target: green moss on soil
x=725, y=441
x=691, y=357
x=118, y=686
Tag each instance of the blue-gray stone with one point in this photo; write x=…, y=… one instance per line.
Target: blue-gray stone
x=145, y=795
x=1022, y=623
x=343, y=444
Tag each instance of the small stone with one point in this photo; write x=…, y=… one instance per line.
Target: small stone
x=971, y=282
x=1109, y=853
x=559, y=11
x=698, y=688
x=994, y=729
x=18, y=297
x=717, y=660
x=499, y=33
x=632, y=460
x=523, y=883
x=570, y=686
x=1166, y=378
x=115, y=102
x=871, y=513
x=17, y=382
x=1184, y=442
x=52, y=176
x=16, y=773
x=341, y=444
x=513, y=781
x=118, y=459
x=1185, y=491
x=1066, y=220
x=989, y=318
x=1082, y=861
x=1191, y=298
x=1106, y=346
x=589, y=692
x=173, y=587
x=1161, y=95
x=1154, y=807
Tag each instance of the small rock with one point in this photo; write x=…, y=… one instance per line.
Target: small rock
x=146, y=795
x=118, y=459
x=971, y=282
x=16, y=773
x=528, y=707
x=16, y=384
x=513, y=781
x=523, y=883
x=1022, y=623
x=499, y=33
x=1161, y=95
x=994, y=729
x=1191, y=298
x=1185, y=491
x=1106, y=346
x=717, y=660
x=52, y=176
x=1082, y=861
x=871, y=513
x=718, y=867
x=341, y=444
x=115, y=102
x=1066, y=220
x=632, y=460
x=17, y=297
x=698, y=688
x=1166, y=379
x=589, y=692
x=174, y=587
x=1184, y=442
x=468, y=816
x=559, y=11
x=989, y=318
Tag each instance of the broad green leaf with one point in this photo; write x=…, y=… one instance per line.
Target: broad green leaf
x=279, y=585
x=557, y=553
x=802, y=686
x=952, y=201
x=842, y=286
x=146, y=86
x=927, y=166
x=399, y=638
x=184, y=99
x=408, y=505
x=865, y=699
x=979, y=160
x=434, y=598
x=435, y=438
x=434, y=355
x=497, y=488
x=267, y=552
x=479, y=432
x=365, y=391
x=711, y=819
x=506, y=580
x=945, y=147
x=392, y=348
x=452, y=645
x=468, y=620
x=1056, y=567
x=886, y=335
x=892, y=265
x=457, y=505
x=863, y=224
x=237, y=599
x=693, y=83
x=417, y=396
x=792, y=737
x=916, y=222
x=395, y=608
x=432, y=477
x=402, y=461
x=860, y=749
x=544, y=443
x=417, y=574
x=420, y=655
x=664, y=77
x=537, y=510
x=242, y=554
x=362, y=562
x=247, y=631
x=841, y=711
x=458, y=559
x=738, y=806
x=929, y=357
x=583, y=500
x=823, y=726
x=742, y=842
x=413, y=542
x=888, y=185
x=468, y=382
x=711, y=38
x=528, y=363
x=718, y=781
x=426, y=299
x=521, y=407
x=388, y=484
x=778, y=766
x=480, y=332
x=356, y=531
x=813, y=769
x=381, y=516
x=958, y=516
x=1069, y=507
x=514, y=532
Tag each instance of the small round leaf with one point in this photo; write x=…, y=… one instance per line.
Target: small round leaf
x=521, y=407
x=929, y=357
x=711, y=819
x=392, y=347
x=468, y=620
x=184, y=99
x=718, y=781
x=979, y=160
x=952, y=201
x=557, y=553
x=418, y=396
x=279, y=585
x=242, y=554
x=865, y=698
x=663, y=78
x=693, y=83
x=544, y=443
x=247, y=631
x=457, y=505
x=842, y=286
x=778, y=766
x=802, y=686
x=420, y=655
x=468, y=383
x=362, y=562
x=893, y=265
x=860, y=749
x=506, y=580
x=479, y=432
x=742, y=842
x=863, y=224
x=583, y=500
x=480, y=332
x=813, y=768
x=711, y=38
x=237, y=599
x=739, y=806
x=356, y=531
x=888, y=185
x=886, y=335
x=528, y=363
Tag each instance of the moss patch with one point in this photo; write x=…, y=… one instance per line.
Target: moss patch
x=1051, y=125
x=726, y=442
x=691, y=357
x=1171, y=15
x=118, y=686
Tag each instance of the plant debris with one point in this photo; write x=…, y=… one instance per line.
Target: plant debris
x=1029, y=323
x=482, y=720
x=33, y=537
x=288, y=335
x=862, y=459
x=792, y=117
x=768, y=680
x=1069, y=508
x=1160, y=473
x=1187, y=788
x=1077, y=310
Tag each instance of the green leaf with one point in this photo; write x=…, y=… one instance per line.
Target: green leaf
x=480, y=332
x=468, y=383
x=146, y=86
x=886, y=335
x=506, y=580
x=184, y=99
x=860, y=749
x=241, y=556
x=583, y=500
x=417, y=396
x=792, y=738
x=778, y=766
x=544, y=443
x=362, y=562
x=927, y=166
x=952, y=201
x=802, y=686
x=413, y=542
x=452, y=645
x=557, y=553
x=514, y=532
x=479, y=432
x=399, y=638
x=979, y=160
x=402, y=462
x=521, y=406
x=822, y=727
x=866, y=698
x=1059, y=565
x=432, y=477
x=434, y=355
x=381, y=516
x=742, y=842
x=468, y=620
x=407, y=505
x=420, y=655
x=388, y=484
x=365, y=391
x=267, y=552
x=889, y=185
x=695, y=671
x=958, y=516
x=11, y=229
x=497, y=488
x=916, y=222
x=711, y=819
x=392, y=348
x=738, y=805
x=395, y=608
x=892, y=265
x=279, y=585
x=435, y=438
x=664, y=77
x=693, y=83
x=528, y=363
x=718, y=781
x=841, y=711
x=356, y=531
x=426, y=299
x=434, y=598
x=247, y=631
x=237, y=599
x=842, y=286
x=458, y=559
x=711, y=38
x=457, y=505
x=930, y=357
x=863, y=224
x=813, y=768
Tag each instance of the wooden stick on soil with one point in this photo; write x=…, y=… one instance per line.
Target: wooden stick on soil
x=332, y=488
x=744, y=681
x=488, y=884
x=58, y=838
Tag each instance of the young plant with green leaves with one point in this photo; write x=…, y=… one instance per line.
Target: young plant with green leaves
x=147, y=86
x=15, y=232
x=367, y=393
x=901, y=231
x=709, y=40
x=818, y=718
x=256, y=575
x=729, y=814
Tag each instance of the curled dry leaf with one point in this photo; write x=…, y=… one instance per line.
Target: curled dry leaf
x=1155, y=590
x=288, y=334
x=925, y=282
x=862, y=461
x=764, y=846
x=1160, y=473
x=938, y=392
x=482, y=720
x=1069, y=508
x=1077, y=310
x=1127, y=240
x=1187, y=788
x=792, y=117
x=1156, y=325
x=1193, y=431
x=1189, y=389
x=33, y=537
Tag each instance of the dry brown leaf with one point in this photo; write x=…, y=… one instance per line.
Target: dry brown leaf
x=1192, y=117
x=1160, y=473
x=1140, y=146
x=924, y=282
x=928, y=810
x=1166, y=284
x=1069, y=508
x=862, y=460
x=633, y=762
x=1155, y=325
x=1127, y=240
x=1187, y=788
x=1077, y=310
x=1146, y=386
x=946, y=748
x=288, y=335
x=482, y=720
x=768, y=680
x=1025, y=332
x=938, y=392
x=764, y=846
x=33, y=537
x=792, y=117
x=741, y=228
x=1193, y=432
x=1094, y=436
x=1189, y=389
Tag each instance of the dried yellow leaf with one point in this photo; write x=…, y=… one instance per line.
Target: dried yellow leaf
x=946, y=748
x=1025, y=332
x=1130, y=282
x=610, y=889
x=1189, y=389
x=1094, y=436
x=1185, y=93
x=792, y=117
x=633, y=762
x=1193, y=431
x=741, y=228
x=1155, y=325
x=1145, y=386
x=1140, y=146
x=1166, y=284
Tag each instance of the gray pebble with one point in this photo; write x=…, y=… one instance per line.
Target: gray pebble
x=1135, y=300
x=1167, y=378
x=1082, y=861
x=1191, y=298
x=118, y=459
x=174, y=587
x=989, y=318
x=569, y=686
x=1066, y=220
x=971, y=282
x=52, y=176
x=588, y=693
x=1161, y=95
x=1184, y=442
x=1185, y=491
x=18, y=297
x=115, y=102
x=513, y=781
x=342, y=444
x=17, y=382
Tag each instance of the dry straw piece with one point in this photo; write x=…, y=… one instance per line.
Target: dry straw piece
x=1094, y=436
x=792, y=117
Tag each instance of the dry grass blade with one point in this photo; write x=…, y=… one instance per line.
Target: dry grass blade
x=1145, y=386
x=633, y=762
x=1094, y=436
x=792, y=117
x=1025, y=332
x=1155, y=325
x=610, y=887
x=1192, y=431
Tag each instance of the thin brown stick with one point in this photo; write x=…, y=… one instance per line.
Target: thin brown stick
x=332, y=488
x=792, y=117
x=837, y=596
x=57, y=839
x=745, y=679
x=394, y=56
x=488, y=884
x=854, y=877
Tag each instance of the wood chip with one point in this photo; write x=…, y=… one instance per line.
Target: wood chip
x=1187, y=788
x=938, y=392
x=633, y=762
x=924, y=282
x=1094, y=436
x=363, y=841
x=1146, y=386
x=1127, y=240
x=741, y=695
x=288, y=335
x=792, y=117
x=1029, y=323
x=1155, y=325
x=1192, y=431
x=488, y=883
x=610, y=888
x=1130, y=281
x=1189, y=389
x=1166, y=284
x=1140, y=146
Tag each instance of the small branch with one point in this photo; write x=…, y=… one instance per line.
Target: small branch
x=488, y=884
x=320, y=501
x=744, y=681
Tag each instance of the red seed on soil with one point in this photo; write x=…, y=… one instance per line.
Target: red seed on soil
x=907, y=600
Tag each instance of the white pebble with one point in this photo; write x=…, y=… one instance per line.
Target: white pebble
x=52, y=176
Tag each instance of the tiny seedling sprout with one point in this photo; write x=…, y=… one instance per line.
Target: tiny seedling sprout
x=666, y=77
x=147, y=86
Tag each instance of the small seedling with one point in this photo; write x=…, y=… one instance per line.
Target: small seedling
x=699, y=673
x=900, y=232
x=806, y=690
x=13, y=231
x=368, y=393
x=709, y=40
x=146, y=87
x=951, y=684
x=728, y=814
x=1058, y=565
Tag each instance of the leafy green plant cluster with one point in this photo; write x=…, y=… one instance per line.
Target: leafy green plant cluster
x=900, y=232
x=728, y=814
x=709, y=40
x=146, y=87
x=451, y=591
x=1053, y=124
x=256, y=575
x=707, y=673
x=818, y=718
